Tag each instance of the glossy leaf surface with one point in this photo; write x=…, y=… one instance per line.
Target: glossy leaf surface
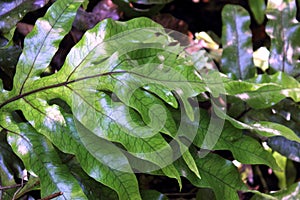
x=237, y=59
x=244, y=148
x=39, y=157
x=124, y=101
x=284, y=31
x=290, y=149
x=216, y=171
x=10, y=168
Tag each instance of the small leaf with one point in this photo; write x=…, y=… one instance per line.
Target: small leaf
x=281, y=175
x=33, y=183
x=189, y=160
x=237, y=59
x=172, y=172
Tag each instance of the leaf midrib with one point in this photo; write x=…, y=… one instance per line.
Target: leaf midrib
x=41, y=46
x=65, y=83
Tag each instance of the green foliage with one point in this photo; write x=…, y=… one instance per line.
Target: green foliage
x=124, y=102
x=284, y=30
x=236, y=38
x=258, y=9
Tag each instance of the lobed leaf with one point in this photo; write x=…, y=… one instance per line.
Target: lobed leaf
x=42, y=42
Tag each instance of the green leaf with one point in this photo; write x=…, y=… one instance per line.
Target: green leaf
x=290, y=149
x=270, y=129
x=91, y=188
x=291, y=192
x=113, y=108
x=281, y=175
x=266, y=129
x=218, y=174
x=40, y=158
x=33, y=183
x=42, y=42
x=258, y=8
x=285, y=112
x=264, y=90
x=244, y=148
x=237, y=59
x=100, y=103
x=63, y=131
x=284, y=31
x=10, y=168
x=11, y=11
x=189, y=160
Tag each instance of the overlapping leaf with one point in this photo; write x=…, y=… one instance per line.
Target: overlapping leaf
x=39, y=157
x=118, y=83
x=95, y=67
x=218, y=174
x=264, y=91
x=10, y=168
x=244, y=148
